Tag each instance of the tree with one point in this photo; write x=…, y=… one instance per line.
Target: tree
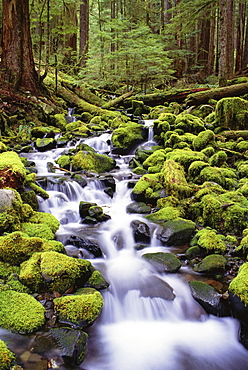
x=84, y=31
x=17, y=62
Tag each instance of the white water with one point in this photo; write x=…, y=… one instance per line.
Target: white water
x=139, y=329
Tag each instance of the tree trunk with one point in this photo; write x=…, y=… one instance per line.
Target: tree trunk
x=226, y=40
x=17, y=61
x=84, y=31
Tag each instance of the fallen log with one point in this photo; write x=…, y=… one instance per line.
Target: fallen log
x=116, y=101
x=152, y=100
x=202, y=97
x=84, y=93
x=235, y=134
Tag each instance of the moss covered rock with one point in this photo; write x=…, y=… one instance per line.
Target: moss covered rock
x=176, y=232
x=163, y=262
x=185, y=157
x=148, y=188
x=90, y=161
x=232, y=113
x=6, y=356
x=126, y=136
x=54, y=271
x=212, y=264
x=210, y=241
x=239, y=285
x=165, y=214
x=189, y=123
x=80, y=309
x=204, y=139
x=20, y=312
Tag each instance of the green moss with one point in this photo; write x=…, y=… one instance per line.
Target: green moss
x=64, y=161
x=218, y=159
x=232, y=113
x=6, y=356
x=53, y=245
x=242, y=146
x=18, y=247
x=189, y=123
x=174, y=180
x=212, y=264
x=13, y=283
x=45, y=218
x=165, y=214
x=37, y=230
x=239, y=285
x=148, y=184
x=90, y=161
x=209, y=240
x=195, y=170
x=185, y=157
x=97, y=281
x=126, y=135
x=139, y=170
x=155, y=160
x=168, y=117
x=60, y=121
x=19, y=312
x=208, y=152
x=6, y=270
x=81, y=310
x=213, y=174
x=54, y=271
x=204, y=139
x=243, y=247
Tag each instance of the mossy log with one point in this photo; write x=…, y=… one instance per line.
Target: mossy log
x=84, y=93
x=160, y=98
x=202, y=97
x=118, y=100
x=235, y=134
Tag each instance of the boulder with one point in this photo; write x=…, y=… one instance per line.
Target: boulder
x=163, y=262
x=212, y=264
x=84, y=243
x=141, y=231
x=176, y=232
x=138, y=207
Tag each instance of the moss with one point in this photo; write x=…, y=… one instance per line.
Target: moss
x=165, y=214
x=195, y=170
x=60, y=121
x=218, y=159
x=209, y=240
x=212, y=264
x=139, y=170
x=213, y=174
x=147, y=185
x=6, y=270
x=64, y=161
x=45, y=218
x=239, y=285
x=189, y=123
x=243, y=247
x=167, y=261
x=156, y=159
x=20, y=312
x=90, y=161
x=242, y=168
x=204, y=139
x=54, y=271
x=97, y=281
x=13, y=283
x=81, y=310
x=232, y=113
x=185, y=157
x=53, y=245
x=168, y=117
x=174, y=180
x=12, y=170
x=127, y=135
x=6, y=356
x=208, y=152
x=37, y=230
x=18, y=247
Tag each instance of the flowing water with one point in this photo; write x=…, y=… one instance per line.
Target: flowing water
x=139, y=327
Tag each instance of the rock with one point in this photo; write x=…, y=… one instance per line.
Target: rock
x=141, y=231
x=156, y=287
x=20, y=312
x=7, y=197
x=208, y=297
x=138, y=207
x=43, y=145
x=70, y=344
x=212, y=264
x=84, y=243
x=80, y=309
x=163, y=262
x=6, y=356
x=91, y=213
x=90, y=161
x=176, y=232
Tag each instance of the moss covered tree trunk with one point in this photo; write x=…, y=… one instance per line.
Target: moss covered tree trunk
x=17, y=63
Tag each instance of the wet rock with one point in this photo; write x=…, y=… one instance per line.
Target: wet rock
x=208, y=297
x=239, y=309
x=212, y=264
x=80, y=180
x=176, y=232
x=70, y=344
x=163, y=262
x=156, y=288
x=91, y=213
x=7, y=197
x=45, y=144
x=138, y=207
x=84, y=243
x=141, y=231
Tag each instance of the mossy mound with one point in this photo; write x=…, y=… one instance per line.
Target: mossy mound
x=212, y=264
x=155, y=161
x=45, y=218
x=165, y=214
x=209, y=240
x=6, y=356
x=90, y=161
x=204, y=139
x=81, y=310
x=177, y=232
x=239, y=285
x=174, y=181
x=185, y=157
x=12, y=170
x=148, y=188
x=232, y=113
x=19, y=312
x=189, y=123
x=126, y=136
x=54, y=271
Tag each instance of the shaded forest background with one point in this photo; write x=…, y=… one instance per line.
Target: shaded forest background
x=145, y=45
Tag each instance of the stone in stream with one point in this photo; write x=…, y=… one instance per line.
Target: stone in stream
x=212, y=264
x=141, y=231
x=156, y=287
x=84, y=243
x=138, y=207
x=91, y=213
x=163, y=262
x=176, y=232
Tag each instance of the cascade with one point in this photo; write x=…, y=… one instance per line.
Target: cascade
x=141, y=327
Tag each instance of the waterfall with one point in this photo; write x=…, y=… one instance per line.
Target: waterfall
x=141, y=326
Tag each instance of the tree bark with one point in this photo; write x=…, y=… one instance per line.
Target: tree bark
x=17, y=63
x=84, y=31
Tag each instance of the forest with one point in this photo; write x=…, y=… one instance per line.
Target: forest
x=132, y=44
x=124, y=184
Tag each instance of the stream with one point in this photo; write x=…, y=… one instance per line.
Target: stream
x=139, y=328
